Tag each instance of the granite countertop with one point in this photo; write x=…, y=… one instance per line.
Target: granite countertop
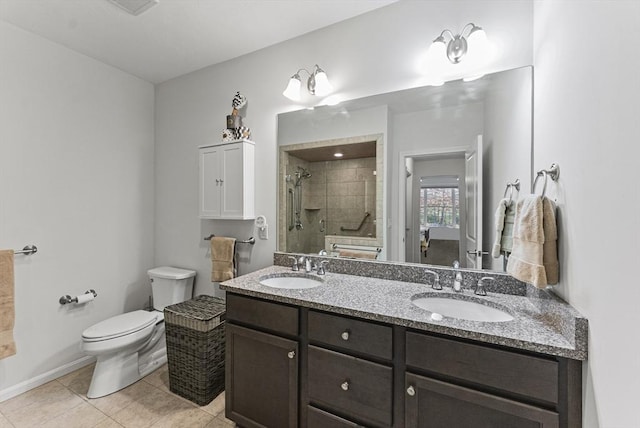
x=545, y=324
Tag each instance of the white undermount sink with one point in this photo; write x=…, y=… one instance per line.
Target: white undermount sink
x=291, y=282
x=461, y=309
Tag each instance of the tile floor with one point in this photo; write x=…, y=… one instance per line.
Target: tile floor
x=147, y=403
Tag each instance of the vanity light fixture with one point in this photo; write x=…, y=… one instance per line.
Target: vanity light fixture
x=317, y=84
x=456, y=47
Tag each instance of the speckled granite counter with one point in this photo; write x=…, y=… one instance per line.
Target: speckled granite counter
x=542, y=323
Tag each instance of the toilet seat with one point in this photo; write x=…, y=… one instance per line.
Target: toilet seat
x=121, y=325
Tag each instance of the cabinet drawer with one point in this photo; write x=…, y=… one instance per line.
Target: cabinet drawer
x=508, y=371
x=351, y=385
x=262, y=314
x=350, y=334
x=319, y=419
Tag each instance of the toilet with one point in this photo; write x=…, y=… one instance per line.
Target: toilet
x=132, y=345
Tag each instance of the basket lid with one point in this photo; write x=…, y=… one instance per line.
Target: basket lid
x=202, y=308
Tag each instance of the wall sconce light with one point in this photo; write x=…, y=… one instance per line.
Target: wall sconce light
x=456, y=47
x=317, y=84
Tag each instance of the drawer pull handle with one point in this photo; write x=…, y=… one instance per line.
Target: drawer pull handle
x=345, y=335
x=411, y=391
x=291, y=354
x=345, y=386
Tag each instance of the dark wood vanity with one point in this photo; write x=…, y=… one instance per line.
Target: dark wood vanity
x=292, y=366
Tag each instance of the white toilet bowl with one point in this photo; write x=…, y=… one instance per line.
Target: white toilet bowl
x=127, y=347
x=132, y=345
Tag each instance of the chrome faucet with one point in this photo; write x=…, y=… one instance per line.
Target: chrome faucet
x=480, y=291
x=307, y=263
x=321, y=267
x=436, y=279
x=457, y=277
x=294, y=264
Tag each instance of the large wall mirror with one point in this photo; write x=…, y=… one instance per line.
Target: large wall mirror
x=410, y=176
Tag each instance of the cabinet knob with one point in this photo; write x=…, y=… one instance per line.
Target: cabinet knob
x=411, y=391
x=291, y=355
x=217, y=181
x=345, y=386
x=345, y=335
x=221, y=181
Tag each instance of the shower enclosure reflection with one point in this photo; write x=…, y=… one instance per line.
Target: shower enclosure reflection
x=294, y=194
x=330, y=201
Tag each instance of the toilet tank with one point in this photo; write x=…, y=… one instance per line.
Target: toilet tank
x=170, y=285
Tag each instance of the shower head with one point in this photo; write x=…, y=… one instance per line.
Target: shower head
x=302, y=173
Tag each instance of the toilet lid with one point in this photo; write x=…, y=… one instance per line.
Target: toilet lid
x=120, y=325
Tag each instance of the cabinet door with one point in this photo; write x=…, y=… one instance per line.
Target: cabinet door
x=210, y=186
x=435, y=404
x=261, y=379
x=232, y=176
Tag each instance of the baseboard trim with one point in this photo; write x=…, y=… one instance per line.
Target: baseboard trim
x=35, y=382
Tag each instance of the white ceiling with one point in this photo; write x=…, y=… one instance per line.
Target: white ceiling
x=176, y=36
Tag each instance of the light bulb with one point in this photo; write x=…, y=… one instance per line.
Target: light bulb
x=438, y=50
x=293, y=88
x=477, y=36
x=479, y=48
x=322, y=87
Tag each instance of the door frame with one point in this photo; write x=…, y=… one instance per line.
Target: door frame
x=402, y=184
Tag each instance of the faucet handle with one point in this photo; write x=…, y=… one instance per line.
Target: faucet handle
x=480, y=291
x=436, y=279
x=456, y=264
x=294, y=265
x=321, y=267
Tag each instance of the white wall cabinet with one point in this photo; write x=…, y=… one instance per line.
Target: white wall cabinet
x=227, y=180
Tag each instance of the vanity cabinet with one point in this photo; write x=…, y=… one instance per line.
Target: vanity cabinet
x=436, y=404
x=453, y=383
x=350, y=372
x=261, y=365
x=227, y=180
x=349, y=368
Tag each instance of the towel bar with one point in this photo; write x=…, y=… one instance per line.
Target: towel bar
x=359, y=248
x=27, y=251
x=250, y=241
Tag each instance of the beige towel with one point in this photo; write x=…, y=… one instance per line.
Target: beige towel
x=222, y=258
x=550, y=246
x=358, y=254
x=7, y=308
x=534, y=258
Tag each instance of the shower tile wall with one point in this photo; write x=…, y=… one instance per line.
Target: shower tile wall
x=296, y=239
x=314, y=203
x=338, y=192
x=350, y=193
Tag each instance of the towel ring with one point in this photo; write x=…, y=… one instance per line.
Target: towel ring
x=544, y=185
x=510, y=187
x=553, y=172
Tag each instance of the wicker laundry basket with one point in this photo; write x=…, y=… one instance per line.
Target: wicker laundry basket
x=195, y=348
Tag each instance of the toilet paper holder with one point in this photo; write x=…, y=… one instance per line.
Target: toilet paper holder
x=68, y=299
